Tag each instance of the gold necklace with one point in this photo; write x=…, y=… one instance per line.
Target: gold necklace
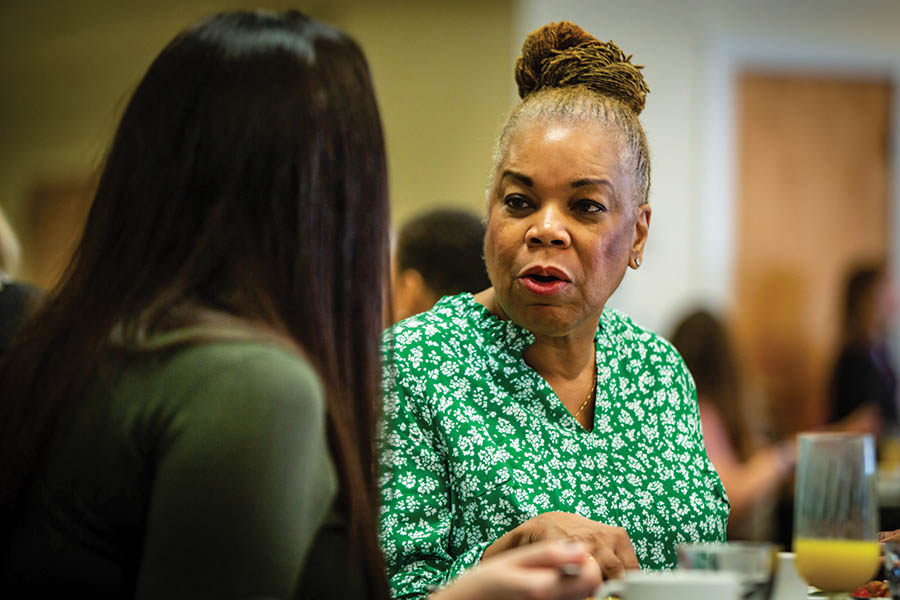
x=590, y=393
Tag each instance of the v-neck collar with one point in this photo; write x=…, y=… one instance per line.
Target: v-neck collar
x=506, y=340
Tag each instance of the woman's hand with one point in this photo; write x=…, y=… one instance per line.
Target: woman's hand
x=889, y=536
x=530, y=572
x=610, y=546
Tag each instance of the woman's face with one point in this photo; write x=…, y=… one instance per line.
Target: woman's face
x=563, y=226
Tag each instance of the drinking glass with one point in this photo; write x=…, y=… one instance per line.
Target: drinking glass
x=753, y=563
x=836, y=512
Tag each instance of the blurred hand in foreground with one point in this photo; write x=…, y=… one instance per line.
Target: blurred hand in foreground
x=535, y=571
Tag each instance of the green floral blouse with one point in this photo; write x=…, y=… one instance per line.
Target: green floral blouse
x=475, y=442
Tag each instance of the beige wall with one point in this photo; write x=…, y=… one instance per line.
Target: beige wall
x=443, y=71
x=444, y=76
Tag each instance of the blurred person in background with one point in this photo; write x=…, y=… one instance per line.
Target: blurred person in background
x=437, y=254
x=864, y=378
x=17, y=299
x=752, y=471
x=191, y=414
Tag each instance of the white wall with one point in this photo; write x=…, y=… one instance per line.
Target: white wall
x=688, y=46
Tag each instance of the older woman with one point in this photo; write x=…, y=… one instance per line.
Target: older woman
x=530, y=411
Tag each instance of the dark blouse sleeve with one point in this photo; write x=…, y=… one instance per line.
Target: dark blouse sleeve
x=243, y=481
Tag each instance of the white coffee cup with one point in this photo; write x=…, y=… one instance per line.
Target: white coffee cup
x=673, y=585
x=788, y=583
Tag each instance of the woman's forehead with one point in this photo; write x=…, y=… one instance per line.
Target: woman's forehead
x=565, y=149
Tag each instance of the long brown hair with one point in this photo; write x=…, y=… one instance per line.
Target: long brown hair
x=859, y=299
x=703, y=343
x=247, y=176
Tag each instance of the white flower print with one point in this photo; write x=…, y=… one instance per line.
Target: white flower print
x=474, y=442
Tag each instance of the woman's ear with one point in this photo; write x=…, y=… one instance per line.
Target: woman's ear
x=641, y=231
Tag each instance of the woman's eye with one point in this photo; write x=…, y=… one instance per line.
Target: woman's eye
x=589, y=207
x=516, y=202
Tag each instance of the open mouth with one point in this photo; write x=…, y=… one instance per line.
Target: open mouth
x=545, y=281
x=543, y=278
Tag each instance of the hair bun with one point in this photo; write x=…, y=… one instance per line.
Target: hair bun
x=563, y=55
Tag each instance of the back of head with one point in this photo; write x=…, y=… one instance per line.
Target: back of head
x=702, y=340
x=252, y=143
x=566, y=74
x=445, y=247
x=247, y=175
x=859, y=300
x=243, y=153
x=703, y=344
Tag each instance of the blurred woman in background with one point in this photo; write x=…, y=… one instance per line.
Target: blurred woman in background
x=751, y=472
x=191, y=412
x=864, y=380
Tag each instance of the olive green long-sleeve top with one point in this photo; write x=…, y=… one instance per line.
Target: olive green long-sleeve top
x=198, y=472
x=475, y=442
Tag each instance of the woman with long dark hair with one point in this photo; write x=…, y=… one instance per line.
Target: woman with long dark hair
x=191, y=412
x=864, y=380
x=751, y=471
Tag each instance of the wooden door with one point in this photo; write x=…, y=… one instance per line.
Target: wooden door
x=813, y=201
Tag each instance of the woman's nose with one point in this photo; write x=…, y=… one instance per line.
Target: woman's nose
x=548, y=229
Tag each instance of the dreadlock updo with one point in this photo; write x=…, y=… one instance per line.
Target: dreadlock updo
x=566, y=74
